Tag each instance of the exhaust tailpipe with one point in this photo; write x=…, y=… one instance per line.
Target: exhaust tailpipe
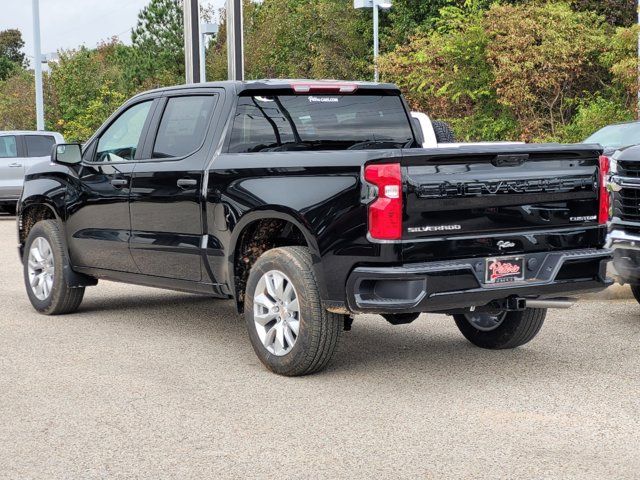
x=551, y=303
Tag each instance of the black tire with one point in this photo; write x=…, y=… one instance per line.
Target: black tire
x=444, y=132
x=635, y=289
x=516, y=329
x=319, y=329
x=61, y=298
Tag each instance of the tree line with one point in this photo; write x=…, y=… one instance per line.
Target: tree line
x=496, y=70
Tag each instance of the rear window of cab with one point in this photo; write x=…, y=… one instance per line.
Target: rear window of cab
x=272, y=123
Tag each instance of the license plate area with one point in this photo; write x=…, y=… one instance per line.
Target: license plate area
x=501, y=270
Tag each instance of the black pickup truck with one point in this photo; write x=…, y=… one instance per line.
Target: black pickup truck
x=307, y=202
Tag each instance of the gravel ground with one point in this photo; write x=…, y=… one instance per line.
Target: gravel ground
x=144, y=383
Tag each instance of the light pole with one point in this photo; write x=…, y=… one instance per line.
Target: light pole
x=37, y=66
x=191, y=15
x=377, y=5
x=205, y=29
x=235, y=43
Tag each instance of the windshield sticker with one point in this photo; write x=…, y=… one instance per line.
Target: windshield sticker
x=324, y=99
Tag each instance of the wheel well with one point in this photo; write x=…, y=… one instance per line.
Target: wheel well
x=255, y=239
x=29, y=217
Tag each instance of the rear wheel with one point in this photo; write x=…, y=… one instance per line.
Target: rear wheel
x=290, y=331
x=501, y=330
x=44, y=263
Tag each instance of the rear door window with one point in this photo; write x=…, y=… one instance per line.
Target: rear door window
x=39, y=145
x=8, y=147
x=183, y=125
x=320, y=122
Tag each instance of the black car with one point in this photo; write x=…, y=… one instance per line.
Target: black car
x=307, y=202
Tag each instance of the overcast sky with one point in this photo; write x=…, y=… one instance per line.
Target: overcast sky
x=68, y=24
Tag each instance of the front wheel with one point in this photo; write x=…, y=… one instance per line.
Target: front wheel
x=501, y=330
x=44, y=263
x=290, y=331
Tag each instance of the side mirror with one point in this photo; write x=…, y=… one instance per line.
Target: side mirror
x=67, y=154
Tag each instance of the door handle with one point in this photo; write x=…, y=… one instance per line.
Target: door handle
x=15, y=165
x=187, y=182
x=119, y=182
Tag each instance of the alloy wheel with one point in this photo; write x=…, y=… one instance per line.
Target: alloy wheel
x=41, y=268
x=485, y=322
x=276, y=312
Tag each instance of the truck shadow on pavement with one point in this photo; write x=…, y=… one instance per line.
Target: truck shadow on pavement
x=432, y=343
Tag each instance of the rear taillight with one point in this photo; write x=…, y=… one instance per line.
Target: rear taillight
x=603, y=210
x=385, y=212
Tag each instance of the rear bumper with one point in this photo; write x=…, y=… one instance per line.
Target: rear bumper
x=626, y=256
x=458, y=284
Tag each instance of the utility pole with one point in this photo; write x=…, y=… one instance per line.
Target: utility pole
x=37, y=66
x=191, y=14
x=235, y=47
x=376, y=5
x=376, y=42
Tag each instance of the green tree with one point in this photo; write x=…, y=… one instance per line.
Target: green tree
x=445, y=73
x=543, y=59
x=621, y=58
x=89, y=85
x=158, y=53
x=407, y=16
x=17, y=102
x=617, y=12
x=299, y=38
x=593, y=114
x=12, y=58
x=81, y=127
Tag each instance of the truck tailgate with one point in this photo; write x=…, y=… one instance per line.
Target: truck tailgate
x=485, y=192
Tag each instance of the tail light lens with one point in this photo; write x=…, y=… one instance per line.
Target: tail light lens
x=385, y=212
x=603, y=210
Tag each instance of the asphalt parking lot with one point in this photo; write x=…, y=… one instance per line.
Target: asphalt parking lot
x=145, y=383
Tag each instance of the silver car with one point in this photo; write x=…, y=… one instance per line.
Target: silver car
x=19, y=150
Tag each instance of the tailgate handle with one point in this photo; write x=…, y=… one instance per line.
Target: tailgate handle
x=510, y=160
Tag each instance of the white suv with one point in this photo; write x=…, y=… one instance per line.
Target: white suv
x=19, y=150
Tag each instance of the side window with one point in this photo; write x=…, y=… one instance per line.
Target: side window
x=8, y=147
x=183, y=125
x=120, y=141
x=39, y=145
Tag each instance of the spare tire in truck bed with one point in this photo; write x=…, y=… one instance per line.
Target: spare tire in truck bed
x=444, y=132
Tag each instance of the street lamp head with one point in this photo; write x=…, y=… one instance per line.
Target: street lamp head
x=382, y=5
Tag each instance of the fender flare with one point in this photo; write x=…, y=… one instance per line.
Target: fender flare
x=72, y=278
x=280, y=213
